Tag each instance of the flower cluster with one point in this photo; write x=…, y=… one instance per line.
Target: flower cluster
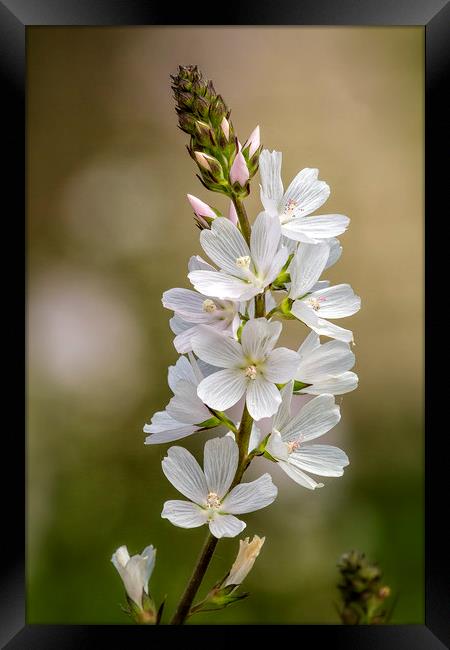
x=228, y=323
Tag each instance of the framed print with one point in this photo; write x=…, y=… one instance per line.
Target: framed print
x=227, y=299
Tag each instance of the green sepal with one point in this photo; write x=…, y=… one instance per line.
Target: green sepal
x=299, y=385
x=209, y=424
x=218, y=599
x=285, y=306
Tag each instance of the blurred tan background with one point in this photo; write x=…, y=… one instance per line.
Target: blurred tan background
x=109, y=229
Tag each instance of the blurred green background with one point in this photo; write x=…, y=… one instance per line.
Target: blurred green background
x=109, y=229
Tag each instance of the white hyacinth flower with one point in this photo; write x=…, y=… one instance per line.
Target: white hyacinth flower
x=135, y=571
x=326, y=367
x=243, y=564
x=252, y=367
x=211, y=502
x=287, y=443
x=244, y=271
x=185, y=412
x=313, y=306
x=303, y=196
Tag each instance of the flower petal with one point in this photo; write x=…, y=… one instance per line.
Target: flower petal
x=223, y=389
x=281, y=365
x=312, y=342
x=325, y=328
x=335, y=251
x=197, y=263
x=187, y=303
x=248, y=497
x=332, y=358
x=185, y=406
x=161, y=437
x=217, y=349
x=340, y=385
x=305, y=313
x=271, y=183
x=315, y=418
x=263, y=398
x=184, y=514
x=315, y=228
x=296, y=474
x=324, y=460
x=182, y=370
x=221, y=457
x=221, y=285
x=306, y=267
x=283, y=415
x=224, y=244
x=337, y=301
x=276, y=447
x=264, y=240
x=226, y=526
x=259, y=338
x=305, y=193
x=183, y=471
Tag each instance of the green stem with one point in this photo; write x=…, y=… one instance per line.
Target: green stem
x=243, y=219
x=195, y=581
x=198, y=574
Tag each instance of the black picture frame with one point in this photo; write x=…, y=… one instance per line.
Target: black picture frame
x=15, y=17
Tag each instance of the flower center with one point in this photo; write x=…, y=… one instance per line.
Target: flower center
x=292, y=446
x=212, y=500
x=209, y=306
x=251, y=372
x=289, y=210
x=243, y=262
x=315, y=303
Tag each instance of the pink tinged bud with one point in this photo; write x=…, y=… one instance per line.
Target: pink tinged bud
x=201, y=208
x=202, y=160
x=239, y=171
x=253, y=142
x=232, y=214
x=225, y=128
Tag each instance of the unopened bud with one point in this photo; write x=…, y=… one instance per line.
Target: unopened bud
x=253, y=142
x=201, y=208
x=239, y=171
x=225, y=125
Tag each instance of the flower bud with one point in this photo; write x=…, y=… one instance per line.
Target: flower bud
x=135, y=572
x=253, y=142
x=248, y=552
x=239, y=171
x=201, y=208
x=225, y=125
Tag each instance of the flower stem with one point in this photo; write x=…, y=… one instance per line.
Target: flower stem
x=243, y=219
x=209, y=547
x=195, y=581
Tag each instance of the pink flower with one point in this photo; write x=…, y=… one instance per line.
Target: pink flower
x=225, y=128
x=239, y=172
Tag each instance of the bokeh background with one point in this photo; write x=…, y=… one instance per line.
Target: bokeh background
x=109, y=229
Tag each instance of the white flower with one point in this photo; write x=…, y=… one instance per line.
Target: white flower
x=312, y=306
x=252, y=367
x=304, y=195
x=185, y=412
x=326, y=367
x=287, y=441
x=248, y=552
x=244, y=271
x=210, y=500
x=135, y=571
x=192, y=308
